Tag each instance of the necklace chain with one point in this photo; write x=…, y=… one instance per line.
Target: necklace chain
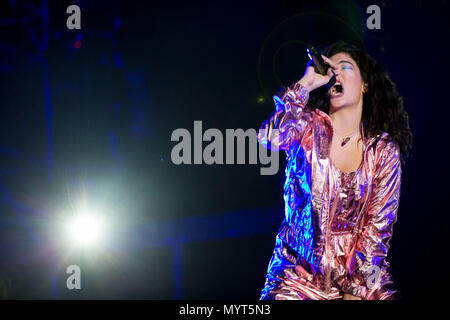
x=347, y=135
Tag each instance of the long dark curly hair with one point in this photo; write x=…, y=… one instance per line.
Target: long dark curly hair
x=382, y=105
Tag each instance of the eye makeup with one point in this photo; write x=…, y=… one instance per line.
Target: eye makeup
x=347, y=66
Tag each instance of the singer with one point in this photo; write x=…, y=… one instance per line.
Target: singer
x=345, y=148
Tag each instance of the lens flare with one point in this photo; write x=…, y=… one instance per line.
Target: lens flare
x=85, y=229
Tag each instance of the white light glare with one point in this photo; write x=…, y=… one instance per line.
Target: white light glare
x=85, y=229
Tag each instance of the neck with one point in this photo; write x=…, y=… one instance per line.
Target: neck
x=346, y=120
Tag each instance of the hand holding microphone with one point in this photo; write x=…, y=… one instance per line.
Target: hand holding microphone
x=319, y=71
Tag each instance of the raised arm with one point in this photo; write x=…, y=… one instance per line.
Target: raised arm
x=287, y=124
x=290, y=119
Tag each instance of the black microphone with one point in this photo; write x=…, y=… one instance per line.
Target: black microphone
x=320, y=66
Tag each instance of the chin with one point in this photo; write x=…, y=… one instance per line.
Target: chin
x=342, y=102
x=337, y=103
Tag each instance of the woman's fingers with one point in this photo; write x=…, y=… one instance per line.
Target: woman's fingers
x=331, y=63
x=330, y=72
x=312, y=79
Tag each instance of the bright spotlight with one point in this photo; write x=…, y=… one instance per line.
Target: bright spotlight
x=85, y=229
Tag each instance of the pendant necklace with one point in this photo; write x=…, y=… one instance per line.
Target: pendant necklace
x=347, y=138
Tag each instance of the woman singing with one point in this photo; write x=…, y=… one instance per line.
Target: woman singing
x=344, y=147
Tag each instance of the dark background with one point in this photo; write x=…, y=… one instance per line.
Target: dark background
x=95, y=121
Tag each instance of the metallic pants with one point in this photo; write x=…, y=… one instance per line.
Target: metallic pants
x=289, y=277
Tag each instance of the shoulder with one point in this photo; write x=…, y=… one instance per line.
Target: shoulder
x=386, y=154
x=383, y=145
x=387, y=146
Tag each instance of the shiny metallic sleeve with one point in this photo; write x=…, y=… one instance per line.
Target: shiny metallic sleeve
x=364, y=279
x=287, y=124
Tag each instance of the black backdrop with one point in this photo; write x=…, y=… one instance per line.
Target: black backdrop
x=99, y=117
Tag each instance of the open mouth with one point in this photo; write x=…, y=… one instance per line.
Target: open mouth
x=337, y=90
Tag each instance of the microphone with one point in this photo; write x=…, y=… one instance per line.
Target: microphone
x=320, y=66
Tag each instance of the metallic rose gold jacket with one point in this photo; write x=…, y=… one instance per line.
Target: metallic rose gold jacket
x=337, y=226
